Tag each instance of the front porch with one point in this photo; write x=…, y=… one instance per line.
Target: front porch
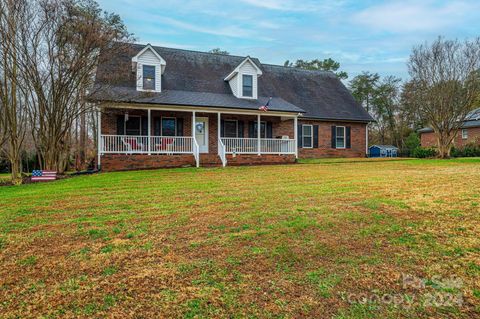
x=166, y=137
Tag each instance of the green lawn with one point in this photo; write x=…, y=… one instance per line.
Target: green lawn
x=306, y=240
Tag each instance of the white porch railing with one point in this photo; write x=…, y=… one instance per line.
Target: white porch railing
x=277, y=146
x=221, y=153
x=240, y=145
x=130, y=144
x=250, y=145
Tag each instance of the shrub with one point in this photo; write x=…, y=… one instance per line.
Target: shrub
x=469, y=150
x=411, y=143
x=424, y=152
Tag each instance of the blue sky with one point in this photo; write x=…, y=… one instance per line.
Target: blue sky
x=374, y=36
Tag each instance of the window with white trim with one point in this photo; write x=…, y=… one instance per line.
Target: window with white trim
x=149, y=77
x=169, y=126
x=133, y=126
x=464, y=133
x=340, y=137
x=307, y=136
x=230, y=128
x=247, y=85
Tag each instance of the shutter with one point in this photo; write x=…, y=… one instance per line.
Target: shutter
x=299, y=136
x=334, y=136
x=120, y=124
x=222, y=128
x=251, y=130
x=240, y=128
x=179, y=126
x=348, y=142
x=157, y=122
x=315, y=136
x=144, y=126
x=269, y=130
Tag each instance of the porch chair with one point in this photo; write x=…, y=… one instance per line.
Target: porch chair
x=132, y=144
x=166, y=144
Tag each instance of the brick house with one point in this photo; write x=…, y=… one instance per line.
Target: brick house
x=469, y=132
x=168, y=107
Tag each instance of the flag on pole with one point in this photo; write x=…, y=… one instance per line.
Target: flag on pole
x=265, y=107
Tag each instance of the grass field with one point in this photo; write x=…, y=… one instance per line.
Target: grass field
x=325, y=239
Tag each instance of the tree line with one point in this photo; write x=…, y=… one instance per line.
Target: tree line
x=48, y=57
x=444, y=86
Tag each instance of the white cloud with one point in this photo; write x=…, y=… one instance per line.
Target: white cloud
x=293, y=5
x=414, y=16
x=229, y=31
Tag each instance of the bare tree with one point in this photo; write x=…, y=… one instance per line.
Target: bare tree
x=59, y=57
x=447, y=77
x=13, y=18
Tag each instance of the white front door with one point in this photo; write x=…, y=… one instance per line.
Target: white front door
x=201, y=133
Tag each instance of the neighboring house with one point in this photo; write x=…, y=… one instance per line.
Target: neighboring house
x=153, y=98
x=382, y=151
x=468, y=133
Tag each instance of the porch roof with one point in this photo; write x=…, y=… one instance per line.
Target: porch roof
x=189, y=98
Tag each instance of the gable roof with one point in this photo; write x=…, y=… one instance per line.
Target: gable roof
x=237, y=69
x=471, y=120
x=149, y=47
x=319, y=94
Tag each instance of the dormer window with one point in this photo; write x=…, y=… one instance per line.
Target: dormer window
x=244, y=79
x=247, y=85
x=149, y=67
x=149, y=77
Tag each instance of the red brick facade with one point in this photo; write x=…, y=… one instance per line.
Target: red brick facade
x=280, y=127
x=325, y=149
x=430, y=140
x=123, y=162
x=252, y=159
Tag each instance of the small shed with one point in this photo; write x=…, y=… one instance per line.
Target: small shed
x=382, y=151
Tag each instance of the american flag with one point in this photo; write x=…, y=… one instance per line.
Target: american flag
x=265, y=107
x=38, y=176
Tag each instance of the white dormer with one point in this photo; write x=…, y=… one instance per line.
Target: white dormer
x=149, y=69
x=244, y=80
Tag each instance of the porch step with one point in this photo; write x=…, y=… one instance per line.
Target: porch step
x=210, y=160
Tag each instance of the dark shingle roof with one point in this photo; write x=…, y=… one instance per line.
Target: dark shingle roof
x=197, y=78
x=189, y=98
x=471, y=120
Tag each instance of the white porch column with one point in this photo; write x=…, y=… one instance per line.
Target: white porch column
x=99, y=137
x=193, y=124
x=149, y=134
x=258, y=134
x=219, y=128
x=295, y=134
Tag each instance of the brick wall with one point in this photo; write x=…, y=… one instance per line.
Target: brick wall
x=429, y=139
x=264, y=159
x=123, y=162
x=357, y=136
x=280, y=127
